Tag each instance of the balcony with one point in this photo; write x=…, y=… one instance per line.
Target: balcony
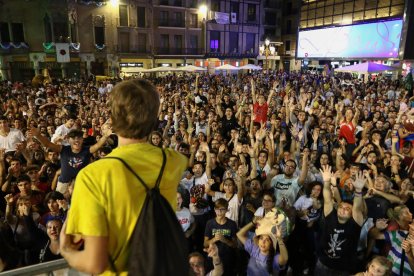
x=178, y=51
x=231, y=55
x=172, y=23
x=172, y=3
x=141, y=50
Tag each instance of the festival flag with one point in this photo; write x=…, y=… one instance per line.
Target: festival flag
x=62, y=52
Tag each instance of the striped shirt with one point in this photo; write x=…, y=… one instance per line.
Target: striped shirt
x=395, y=238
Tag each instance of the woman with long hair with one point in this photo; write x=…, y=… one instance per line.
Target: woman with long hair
x=268, y=253
x=26, y=234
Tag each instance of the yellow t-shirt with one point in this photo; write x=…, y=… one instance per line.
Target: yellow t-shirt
x=107, y=198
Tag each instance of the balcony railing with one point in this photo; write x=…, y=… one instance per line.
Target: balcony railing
x=172, y=23
x=231, y=55
x=178, y=51
x=60, y=267
x=174, y=3
x=132, y=50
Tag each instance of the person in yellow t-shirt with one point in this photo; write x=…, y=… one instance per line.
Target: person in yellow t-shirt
x=107, y=198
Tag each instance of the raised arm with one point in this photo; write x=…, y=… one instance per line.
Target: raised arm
x=253, y=90
x=304, y=171
x=243, y=232
x=357, y=207
x=106, y=132
x=45, y=142
x=327, y=193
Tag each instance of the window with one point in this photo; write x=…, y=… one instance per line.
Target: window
x=250, y=42
x=215, y=5
x=289, y=26
x=99, y=35
x=123, y=15
x=142, y=43
x=194, y=20
x=178, y=41
x=124, y=42
x=141, y=17
x=234, y=42
x=234, y=8
x=193, y=43
x=163, y=17
x=287, y=45
x=214, y=41
x=178, y=19
x=48, y=29
x=165, y=43
x=251, y=12
x=270, y=18
x=60, y=31
x=4, y=32
x=17, y=32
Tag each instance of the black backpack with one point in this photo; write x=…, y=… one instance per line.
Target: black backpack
x=157, y=245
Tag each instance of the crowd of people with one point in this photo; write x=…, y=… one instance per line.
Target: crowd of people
x=288, y=173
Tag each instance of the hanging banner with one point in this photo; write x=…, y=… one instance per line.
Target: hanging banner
x=62, y=52
x=222, y=18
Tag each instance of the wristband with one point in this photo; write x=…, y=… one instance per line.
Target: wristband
x=357, y=193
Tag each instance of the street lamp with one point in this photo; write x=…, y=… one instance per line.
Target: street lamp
x=267, y=50
x=202, y=9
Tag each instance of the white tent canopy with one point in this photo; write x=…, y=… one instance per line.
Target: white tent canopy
x=163, y=69
x=227, y=67
x=132, y=70
x=191, y=68
x=250, y=67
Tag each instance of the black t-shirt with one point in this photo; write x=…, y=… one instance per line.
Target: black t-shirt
x=89, y=141
x=377, y=207
x=339, y=243
x=228, y=230
x=72, y=163
x=228, y=125
x=217, y=172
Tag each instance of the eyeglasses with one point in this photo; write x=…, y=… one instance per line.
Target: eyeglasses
x=220, y=209
x=267, y=200
x=290, y=166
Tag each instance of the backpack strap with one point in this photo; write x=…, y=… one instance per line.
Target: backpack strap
x=157, y=183
x=164, y=161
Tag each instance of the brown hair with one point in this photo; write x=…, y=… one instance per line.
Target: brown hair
x=134, y=108
x=383, y=261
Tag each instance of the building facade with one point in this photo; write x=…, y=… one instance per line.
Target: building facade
x=108, y=37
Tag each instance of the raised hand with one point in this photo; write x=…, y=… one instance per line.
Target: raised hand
x=204, y=147
x=212, y=250
x=326, y=172
x=9, y=199
x=360, y=181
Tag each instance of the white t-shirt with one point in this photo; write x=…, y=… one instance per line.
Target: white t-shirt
x=234, y=205
x=306, y=203
x=9, y=142
x=197, y=181
x=62, y=130
x=185, y=218
x=285, y=188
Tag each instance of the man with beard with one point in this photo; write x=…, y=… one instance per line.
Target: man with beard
x=340, y=236
x=285, y=185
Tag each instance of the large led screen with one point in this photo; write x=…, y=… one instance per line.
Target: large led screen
x=372, y=40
